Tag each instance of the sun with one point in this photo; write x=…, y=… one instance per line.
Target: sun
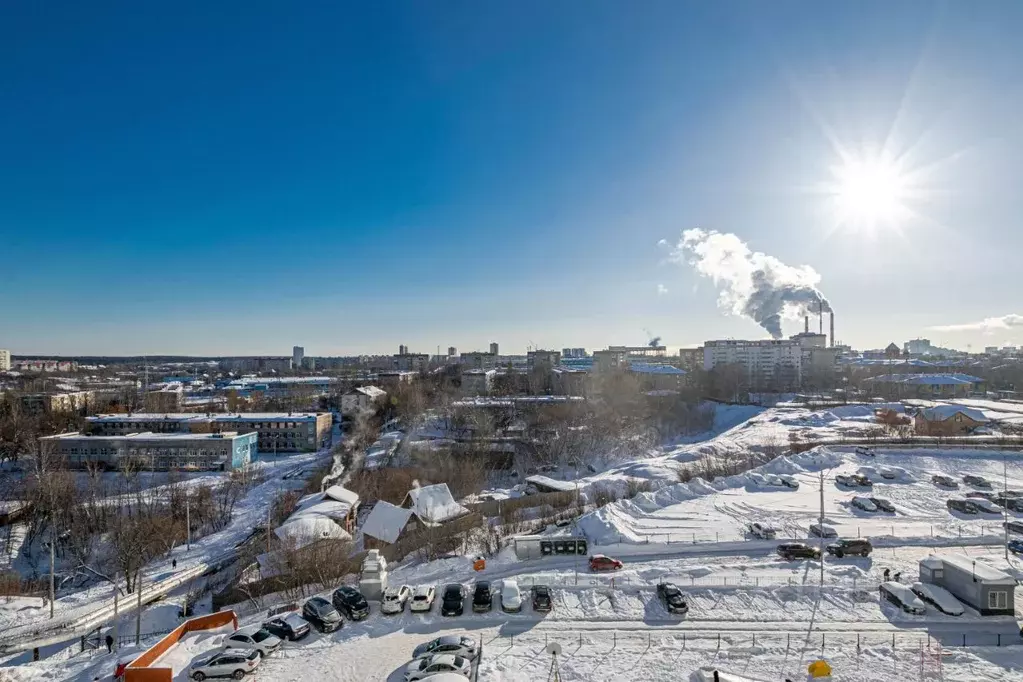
x=870, y=192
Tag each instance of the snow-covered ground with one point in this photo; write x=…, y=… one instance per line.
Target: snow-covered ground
x=699, y=511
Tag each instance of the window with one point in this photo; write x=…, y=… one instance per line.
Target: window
x=997, y=600
x=959, y=417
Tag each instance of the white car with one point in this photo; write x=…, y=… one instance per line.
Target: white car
x=395, y=599
x=759, y=530
x=253, y=637
x=823, y=530
x=422, y=598
x=938, y=597
x=864, y=503
x=865, y=451
x=231, y=663
x=455, y=645
x=425, y=668
x=903, y=597
x=511, y=597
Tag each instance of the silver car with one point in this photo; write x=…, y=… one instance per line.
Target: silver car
x=253, y=637
x=230, y=663
x=459, y=645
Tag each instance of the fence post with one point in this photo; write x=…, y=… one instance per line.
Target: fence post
x=694, y=538
x=83, y=643
x=580, y=638
x=857, y=644
x=545, y=642
x=614, y=635
x=822, y=642
x=719, y=640
x=683, y=639
x=893, y=641
x=964, y=639
x=788, y=640
x=999, y=639
x=754, y=639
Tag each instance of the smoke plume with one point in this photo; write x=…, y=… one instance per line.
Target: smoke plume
x=752, y=284
x=654, y=342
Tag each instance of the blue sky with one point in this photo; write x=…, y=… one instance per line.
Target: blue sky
x=211, y=179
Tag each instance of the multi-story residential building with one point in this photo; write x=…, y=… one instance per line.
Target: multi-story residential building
x=72, y=401
x=478, y=382
x=690, y=358
x=479, y=360
x=609, y=360
x=541, y=358
x=297, y=356
x=494, y=349
x=361, y=398
x=5, y=360
x=765, y=362
x=165, y=399
x=44, y=365
x=277, y=431
x=156, y=451
x=411, y=362
x=573, y=352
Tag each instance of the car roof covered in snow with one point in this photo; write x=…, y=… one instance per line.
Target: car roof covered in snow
x=940, y=596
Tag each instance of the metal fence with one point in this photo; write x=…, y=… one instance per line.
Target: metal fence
x=584, y=579
x=812, y=641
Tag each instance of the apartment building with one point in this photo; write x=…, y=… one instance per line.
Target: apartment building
x=166, y=399
x=5, y=360
x=154, y=451
x=72, y=401
x=543, y=358
x=411, y=362
x=276, y=431
x=766, y=360
x=479, y=360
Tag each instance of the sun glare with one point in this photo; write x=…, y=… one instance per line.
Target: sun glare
x=870, y=193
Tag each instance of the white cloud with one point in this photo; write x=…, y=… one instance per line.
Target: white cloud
x=988, y=325
x=661, y=289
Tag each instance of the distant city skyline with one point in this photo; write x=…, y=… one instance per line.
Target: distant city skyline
x=351, y=178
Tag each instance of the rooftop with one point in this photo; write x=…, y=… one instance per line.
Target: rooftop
x=982, y=571
x=652, y=368
x=148, y=435
x=196, y=416
x=943, y=412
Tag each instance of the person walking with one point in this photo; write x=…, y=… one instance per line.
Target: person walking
x=887, y=574
x=110, y=643
x=174, y=563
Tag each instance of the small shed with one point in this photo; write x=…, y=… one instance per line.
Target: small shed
x=384, y=524
x=983, y=587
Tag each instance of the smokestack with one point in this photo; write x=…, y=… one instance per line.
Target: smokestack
x=820, y=319
x=806, y=324
x=832, y=329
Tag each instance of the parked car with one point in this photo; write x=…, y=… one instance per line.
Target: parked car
x=759, y=530
x=350, y=602
x=981, y=495
x=453, y=600
x=977, y=481
x=1015, y=546
x=823, y=530
x=425, y=668
x=888, y=473
x=511, y=596
x=963, y=506
x=903, y=597
x=674, y=600
x=482, y=598
x=864, y=503
x=1012, y=503
x=851, y=547
x=253, y=637
x=289, y=626
x=599, y=562
x=798, y=550
x=789, y=481
x=986, y=506
x=882, y=504
x=1014, y=527
x=225, y=664
x=422, y=598
x=395, y=599
x=944, y=481
x=456, y=645
x=321, y=614
x=939, y=598
x=865, y=451
x=542, y=602
x=853, y=480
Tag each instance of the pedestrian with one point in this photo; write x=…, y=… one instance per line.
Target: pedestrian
x=174, y=563
x=887, y=574
x=110, y=643
x=898, y=577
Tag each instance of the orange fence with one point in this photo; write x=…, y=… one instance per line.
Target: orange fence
x=139, y=670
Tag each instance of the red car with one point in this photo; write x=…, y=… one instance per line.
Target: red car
x=599, y=562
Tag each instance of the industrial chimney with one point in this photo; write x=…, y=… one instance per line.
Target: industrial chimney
x=832, y=329
x=806, y=324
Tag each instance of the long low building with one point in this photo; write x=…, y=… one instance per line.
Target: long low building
x=156, y=451
x=277, y=431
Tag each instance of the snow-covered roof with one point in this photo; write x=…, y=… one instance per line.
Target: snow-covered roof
x=546, y=482
x=372, y=392
x=386, y=521
x=341, y=494
x=653, y=368
x=304, y=530
x=984, y=572
x=434, y=503
x=954, y=379
x=940, y=413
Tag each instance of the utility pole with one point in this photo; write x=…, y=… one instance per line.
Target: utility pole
x=821, y=522
x=188, y=523
x=138, y=607
x=1005, y=501
x=115, y=612
x=52, y=591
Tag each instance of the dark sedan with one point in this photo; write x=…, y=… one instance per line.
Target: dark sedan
x=453, y=600
x=350, y=602
x=290, y=626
